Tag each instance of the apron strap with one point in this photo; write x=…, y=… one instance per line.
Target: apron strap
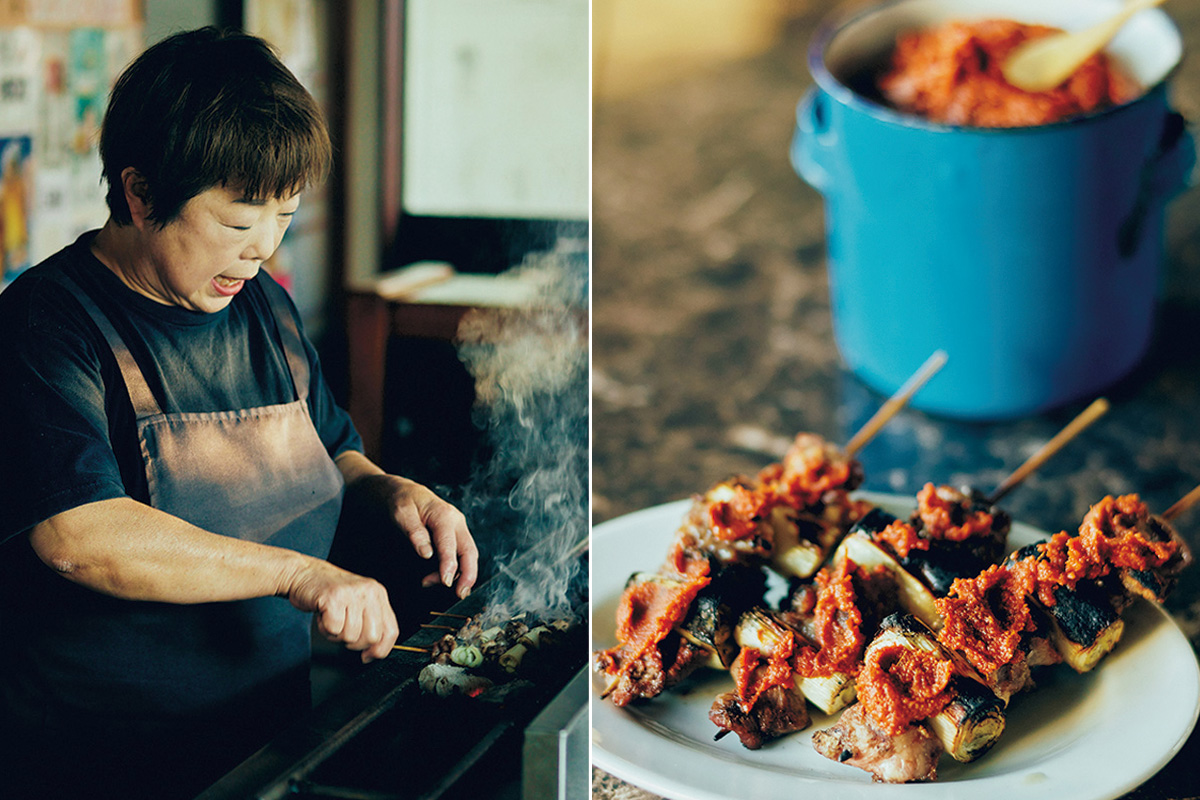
x=144, y=404
x=289, y=335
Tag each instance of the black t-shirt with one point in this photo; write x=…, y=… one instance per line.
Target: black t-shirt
x=67, y=429
x=68, y=437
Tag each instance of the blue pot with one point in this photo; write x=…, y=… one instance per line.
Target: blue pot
x=1032, y=256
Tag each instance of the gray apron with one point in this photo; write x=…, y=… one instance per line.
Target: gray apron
x=258, y=474
x=177, y=690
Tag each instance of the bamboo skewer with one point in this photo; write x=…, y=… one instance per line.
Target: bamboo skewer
x=409, y=649
x=896, y=402
x=579, y=547
x=1182, y=504
x=448, y=614
x=1085, y=418
x=441, y=627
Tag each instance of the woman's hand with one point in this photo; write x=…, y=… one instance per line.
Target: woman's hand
x=349, y=609
x=432, y=525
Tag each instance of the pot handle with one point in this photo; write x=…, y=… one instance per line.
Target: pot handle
x=1168, y=172
x=813, y=141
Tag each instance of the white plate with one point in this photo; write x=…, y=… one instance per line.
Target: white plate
x=1087, y=737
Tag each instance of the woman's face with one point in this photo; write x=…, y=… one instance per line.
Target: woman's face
x=203, y=257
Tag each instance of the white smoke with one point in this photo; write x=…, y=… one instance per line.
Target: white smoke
x=530, y=364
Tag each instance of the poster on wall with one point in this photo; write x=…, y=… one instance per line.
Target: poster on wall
x=14, y=204
x=19, y=60
x=301, y=263
x=58, y=60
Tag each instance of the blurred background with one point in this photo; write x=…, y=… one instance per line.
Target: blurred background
x=712, y=338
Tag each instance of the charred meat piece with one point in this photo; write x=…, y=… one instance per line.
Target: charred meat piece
x=651, y=673
x=858, y=742
x=650, y=648
x=778, y=711
x=1126, y=519
x=728, y=523
x=953, y=533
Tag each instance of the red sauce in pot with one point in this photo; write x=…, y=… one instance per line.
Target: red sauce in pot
x=950, y=73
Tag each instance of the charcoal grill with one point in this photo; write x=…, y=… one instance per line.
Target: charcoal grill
x=380, y=737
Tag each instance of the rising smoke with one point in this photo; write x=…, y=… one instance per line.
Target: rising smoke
x=529, y=363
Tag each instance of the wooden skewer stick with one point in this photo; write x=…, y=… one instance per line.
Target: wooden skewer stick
x=1182, y=504
x=448, y=614
x=1085, y=418
x=442, y=627
x=408, y=649
x=579, y=547
x=896, y=402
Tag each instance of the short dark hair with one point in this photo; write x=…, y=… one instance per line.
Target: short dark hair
x=208, y=108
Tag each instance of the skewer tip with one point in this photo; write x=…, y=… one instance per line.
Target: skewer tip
x=1182, y=504
x=897, y=401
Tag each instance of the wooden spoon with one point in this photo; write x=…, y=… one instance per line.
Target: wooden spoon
x=1044, y=63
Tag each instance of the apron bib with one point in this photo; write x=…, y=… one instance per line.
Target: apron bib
x=257, y=474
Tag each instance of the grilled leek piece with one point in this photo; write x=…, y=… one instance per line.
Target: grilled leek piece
x=1085, y=622
x=760, y=629
x=829, y=693
x=1084, y=626
x=763, y=631
x=709, y=625
x=914, y=596
x=972, y=722
x=799, y=549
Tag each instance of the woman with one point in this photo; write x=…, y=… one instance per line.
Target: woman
x=173, y=461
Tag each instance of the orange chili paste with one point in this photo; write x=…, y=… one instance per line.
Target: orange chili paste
x=648, y=611
x=899, y=686
x=901, y=538
x=737, y=518
x=751, y=680
x=837, y=624
x=1109, y=538
x=950, y=73
x=986, y=616
x=811, y=468
x=937, y=517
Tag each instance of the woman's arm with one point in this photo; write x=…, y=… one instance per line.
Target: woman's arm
x=129, y=550
x=430, y=523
